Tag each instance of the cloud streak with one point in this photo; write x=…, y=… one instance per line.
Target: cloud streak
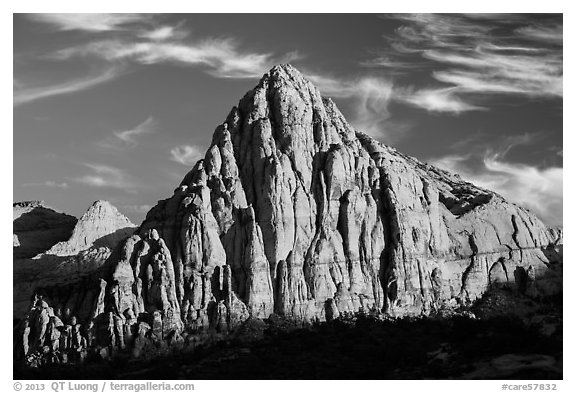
x=92, y=22
x=164, y=33
x=436, y=100
x=48, y=183
x=370, y=97
x=548, y=34
x=24, y=94
x=487, y=71
x=221, y=57
x=104, y=176
x=186, y=155
x=140, y=39
x=129, y=138
x=478, y=55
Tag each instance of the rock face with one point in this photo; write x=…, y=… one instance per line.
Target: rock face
x=57, y=250
x=102, y=223
x=36, y=228
x=293, y=212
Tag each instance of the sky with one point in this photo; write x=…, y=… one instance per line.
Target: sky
x=120, y=106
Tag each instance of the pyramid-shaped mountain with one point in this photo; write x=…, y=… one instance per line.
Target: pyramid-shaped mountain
x=293, y=212
x=101, y=220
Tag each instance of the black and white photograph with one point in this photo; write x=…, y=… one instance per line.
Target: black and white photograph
x=287, y=196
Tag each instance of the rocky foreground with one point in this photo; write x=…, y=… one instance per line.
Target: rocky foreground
x=488, y=341
x=291, y=214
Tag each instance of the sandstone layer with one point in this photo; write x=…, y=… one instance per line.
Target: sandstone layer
x=293, y=212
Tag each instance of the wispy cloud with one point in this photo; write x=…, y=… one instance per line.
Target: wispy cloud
x=370, y=98
x=128, y=138
x=89, y=22
x=106, y=176
x=141, y=39
x=186, y=155
x=221, y=57
x=474, y=55
x=438, y=30
x=24, y=93
x=489, y=71
x=332, y=86
x=548, y=34
x=48, y=183
x=436, y=100
x=164, y=33
x=394, y=65
x=371, y=114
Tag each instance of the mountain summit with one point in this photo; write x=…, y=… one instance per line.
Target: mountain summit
x=293, y=212
x=101, y=219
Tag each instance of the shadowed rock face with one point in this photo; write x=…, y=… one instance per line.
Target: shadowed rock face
x=293, y=212
x=63, y=250
x=36, y=228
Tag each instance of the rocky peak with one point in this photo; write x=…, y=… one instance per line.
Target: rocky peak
x=101, y=220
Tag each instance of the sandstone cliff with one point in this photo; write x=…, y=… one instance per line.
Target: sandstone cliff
x=294, y=212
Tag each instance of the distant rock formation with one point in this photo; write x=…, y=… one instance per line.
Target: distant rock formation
x=54, y=249
x=293, y=212
x=36, y=228
x=101, y=220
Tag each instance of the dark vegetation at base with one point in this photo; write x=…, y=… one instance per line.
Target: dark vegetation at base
x=499, y=346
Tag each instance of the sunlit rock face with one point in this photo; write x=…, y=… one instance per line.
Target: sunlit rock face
x=294, y=212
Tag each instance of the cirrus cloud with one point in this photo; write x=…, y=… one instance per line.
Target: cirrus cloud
x=221, y=57
x=48, y=183
x=476, y=55
x=129, y=138
x=25, y=93
x=105, y=176
x=186, y=155
x=92, y=22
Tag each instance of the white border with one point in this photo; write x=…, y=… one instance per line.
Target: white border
x=300, y=6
